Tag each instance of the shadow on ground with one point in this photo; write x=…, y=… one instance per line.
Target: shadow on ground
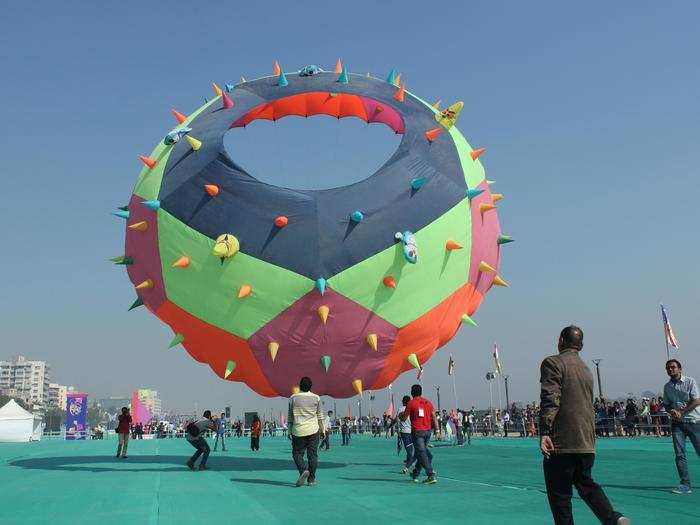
x=157, y=464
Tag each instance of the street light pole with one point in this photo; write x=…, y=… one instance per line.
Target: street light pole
x=506, y=378
x=597, y=371
x=437, y=387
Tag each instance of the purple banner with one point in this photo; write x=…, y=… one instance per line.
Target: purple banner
x=76, y=416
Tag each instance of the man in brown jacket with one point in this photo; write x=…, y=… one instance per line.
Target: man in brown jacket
x=567, y=432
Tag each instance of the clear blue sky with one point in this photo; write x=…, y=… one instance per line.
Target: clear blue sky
x=590, y=114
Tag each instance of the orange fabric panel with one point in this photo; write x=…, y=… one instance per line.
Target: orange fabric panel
x=295, y=105
x=352, y=106
x=428, y=333
x=211, y=345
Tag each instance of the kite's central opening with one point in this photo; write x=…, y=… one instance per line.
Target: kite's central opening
x=315, y=153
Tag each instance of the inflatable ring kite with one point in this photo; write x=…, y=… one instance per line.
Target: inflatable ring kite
x=352, y=285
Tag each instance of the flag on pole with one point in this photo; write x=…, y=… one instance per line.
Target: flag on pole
x=390, y=408
x=451, y=366
x=496, y=359
x=420, y=374
x=668, y=331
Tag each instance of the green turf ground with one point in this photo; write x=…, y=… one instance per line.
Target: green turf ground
x=493, y=481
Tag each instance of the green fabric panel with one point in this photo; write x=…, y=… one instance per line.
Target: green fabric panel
x=421, y=286
x=473, y=170
x=209, y=290
x=148, y=184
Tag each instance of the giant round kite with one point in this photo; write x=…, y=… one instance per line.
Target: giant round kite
x=352, y=285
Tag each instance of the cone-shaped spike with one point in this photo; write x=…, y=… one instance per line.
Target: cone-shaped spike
x=432, y=134
x=217, y=89
x=489, y=182
x=372, y=341
x=495, y=197
x=392, y=77
x=181, y=119
x=343, y=77
x=230, y=367
x=138, y=302
x=468, y=320
x=196, y=144
x=121, y=214
x=227, y=101
x=276, y=69
x=486, y=267
x=273, y=347
x=413, y=359
x=389, y=281
x=498, y=281
x=400, y=94
x=141, y=226
x=154, y=204
x=323, y=312
x=244, y=291
x=282, y=80
x=326, y=362
x=211, y=189
x=321, y=285
x=228, y=88
x=484, y=207
x=356, y=216
x=477, y=153
x=179, y=338
x=397, y=80
x=418, y=182
x=338, y=67
x=505, y=239
x=148, y=161
x=242, y=80
x=123, y=208
x=453, y=245
x=148, y=283
x=182, y=262
x=436, y=104
x=474, y=192
x=281, y=221
x=123, y=259
x=296, y=389
x=357, y=385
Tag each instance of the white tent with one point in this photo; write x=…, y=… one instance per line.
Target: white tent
x=16, y=424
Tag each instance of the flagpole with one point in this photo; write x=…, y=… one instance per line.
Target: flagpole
x=663, y=324
x=454, y=390
x=500, y=402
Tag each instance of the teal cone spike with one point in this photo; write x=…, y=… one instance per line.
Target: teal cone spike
x=391, y=79
x=123, y=208
x=282, y=80
x=343, y=77
x=121, y=213
x=138, y=302
x=123, y=259
x=474, y=192
x=418, y=182
x=206, y=100
x=154, y=205
x=505, y=239
x=321, y=285
x=326, y=362
x=179, y=338
x=356, y=216
x=228, y=88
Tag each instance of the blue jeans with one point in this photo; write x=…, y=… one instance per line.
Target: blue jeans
x=680, y=431
x=202, y=450
x=423, y=454
x=407, y=441
x=216, y=442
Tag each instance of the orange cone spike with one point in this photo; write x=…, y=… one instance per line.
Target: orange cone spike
x=211, y=189
x=397, y=80
x=483, y=207
x=141, y=226
x=179, y=116
x=276, y=69
x=148, y=283
x=400, y=94
x=148, y=161
x=182, y=262
x=452, y=245
x=432, y=134
x=244, y=291
x=477, y=153
x=389, y=281
x=281, y=221
x=338, y=67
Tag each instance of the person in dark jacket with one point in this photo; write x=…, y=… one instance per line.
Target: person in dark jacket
x=567, y=432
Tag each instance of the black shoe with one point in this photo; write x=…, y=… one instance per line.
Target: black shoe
x=190, y=465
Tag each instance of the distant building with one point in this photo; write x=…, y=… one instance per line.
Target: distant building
x=25, y=379
x=58, y=394
x=113, y=405
x=151, y=401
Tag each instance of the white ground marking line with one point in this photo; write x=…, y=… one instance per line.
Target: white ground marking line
x=487, y=484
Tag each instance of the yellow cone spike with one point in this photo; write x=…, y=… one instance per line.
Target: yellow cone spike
x=448, y=118
x=486, y=267
x=436, y=105
x=141, y=226
x=230, y=367
x=148, y=283
x=372, y=341
x=196, y=144
x=413, y=359
x=182, y=262
x=217, y=89
x=468, y=320
x=244, y=291
x=500, y=282
x=483, y=207
x=296, y=389
x=273, y=347
x=357, y=385
x=323, y=312
x=495, y=197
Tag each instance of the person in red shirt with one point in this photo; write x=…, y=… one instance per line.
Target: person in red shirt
x=423, y=421
x=255, y=433
x=123, y=429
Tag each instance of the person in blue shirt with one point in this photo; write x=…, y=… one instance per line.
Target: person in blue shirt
x=220, y=432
